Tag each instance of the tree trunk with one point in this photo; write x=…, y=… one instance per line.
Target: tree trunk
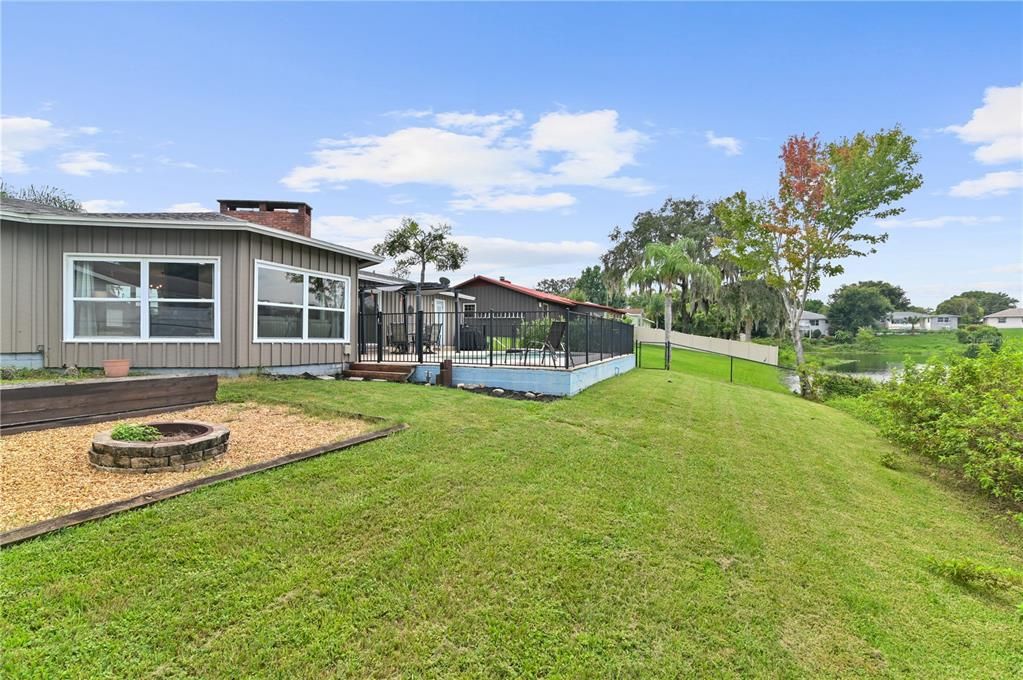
x=419, y=286
x=667, y=328
x=749, y=329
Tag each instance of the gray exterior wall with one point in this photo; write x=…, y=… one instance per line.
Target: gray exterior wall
x=491, y=297
x=32, y=295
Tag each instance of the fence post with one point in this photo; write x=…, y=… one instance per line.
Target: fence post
x=491, y=339
x=587, y=338
x=380, y=336
x=568, y=345
x=419, y=335
x=731, y=371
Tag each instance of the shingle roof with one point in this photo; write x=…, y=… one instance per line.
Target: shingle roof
x=31, y=212
x=1011, y=312
x=24, y=206
x=176, y=216
x=812, y=315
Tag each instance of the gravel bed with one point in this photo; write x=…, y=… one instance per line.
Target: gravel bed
x=46, y=473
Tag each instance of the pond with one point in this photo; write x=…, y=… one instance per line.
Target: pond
x=874, y=365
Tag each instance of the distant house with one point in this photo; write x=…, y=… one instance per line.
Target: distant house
x=1007, y=318
x=910, y=321
x=637, y=317
x=502, y=294
x=812, y=321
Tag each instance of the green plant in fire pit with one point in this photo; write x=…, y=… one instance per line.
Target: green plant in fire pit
x=130, y=432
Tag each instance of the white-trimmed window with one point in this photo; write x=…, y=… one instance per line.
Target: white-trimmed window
x=297, y=305
x=111, y=298
x=469, y=309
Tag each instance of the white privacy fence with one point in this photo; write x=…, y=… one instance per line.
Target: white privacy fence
x=764, y=354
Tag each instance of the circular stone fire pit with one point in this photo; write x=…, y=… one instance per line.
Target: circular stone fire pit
x=185, y=445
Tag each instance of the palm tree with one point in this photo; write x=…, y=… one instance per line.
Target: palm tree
x=671, y=266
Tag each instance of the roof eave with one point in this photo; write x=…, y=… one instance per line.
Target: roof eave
x=232, y=225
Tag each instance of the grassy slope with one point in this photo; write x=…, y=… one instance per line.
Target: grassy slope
x=715, y=367
x=656, y=525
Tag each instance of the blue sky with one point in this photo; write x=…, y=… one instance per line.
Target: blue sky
x=532, y=129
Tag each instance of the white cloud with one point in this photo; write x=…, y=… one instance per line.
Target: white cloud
x=185, y=165
x=524, y=261
x=490, y=125
x=997, y=126
x=730, y=145
x=514, y=202
x=89, y=130
x=85, y=163
x=937, y=222
x=21, y=136
x=476, y=158
x=991, y=184
x=193, y=207
x=102, y=205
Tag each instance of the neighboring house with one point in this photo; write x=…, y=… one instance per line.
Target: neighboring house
x=910, y=321
x=812, y=321
x=638, y=320
x=502, y=294
x=238, y=290
x=1007, y=318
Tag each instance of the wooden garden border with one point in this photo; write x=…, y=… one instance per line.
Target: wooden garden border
x=64, y=521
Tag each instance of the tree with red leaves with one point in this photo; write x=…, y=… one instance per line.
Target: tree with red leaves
x=824, y=190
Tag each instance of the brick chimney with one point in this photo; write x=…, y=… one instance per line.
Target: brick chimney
x=289, y=216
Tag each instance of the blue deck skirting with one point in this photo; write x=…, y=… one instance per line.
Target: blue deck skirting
x=556, y=381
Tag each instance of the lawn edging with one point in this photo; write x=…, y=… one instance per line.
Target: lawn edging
x=13, y=536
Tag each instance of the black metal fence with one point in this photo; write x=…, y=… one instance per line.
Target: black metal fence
x=492, y=338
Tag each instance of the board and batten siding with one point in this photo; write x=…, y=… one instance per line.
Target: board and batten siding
x=490, y=297
x=32, y=304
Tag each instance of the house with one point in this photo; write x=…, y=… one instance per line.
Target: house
x=1007, y=318
x=636, y=314
x=812, y=321
x=231, y=291
x=502, y=294
x=910, y=321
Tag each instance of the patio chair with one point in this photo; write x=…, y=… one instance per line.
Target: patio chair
x=552, y=344
x=397, y=337
x=431, y=337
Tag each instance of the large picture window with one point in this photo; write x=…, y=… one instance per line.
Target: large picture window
x=141, y=299
x=295, y=305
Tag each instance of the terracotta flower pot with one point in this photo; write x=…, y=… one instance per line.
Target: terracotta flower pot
x=116, y=368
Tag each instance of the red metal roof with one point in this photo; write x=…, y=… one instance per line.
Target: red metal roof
x=533, y=293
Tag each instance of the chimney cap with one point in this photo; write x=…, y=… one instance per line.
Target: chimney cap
x=503, y=279
x=250, y=203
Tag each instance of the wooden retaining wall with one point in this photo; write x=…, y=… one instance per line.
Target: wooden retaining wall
x=38, y=405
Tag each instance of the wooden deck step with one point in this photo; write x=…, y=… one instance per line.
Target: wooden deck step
x=389, y=376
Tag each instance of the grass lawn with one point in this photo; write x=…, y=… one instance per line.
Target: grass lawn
x=658, y=524
x=716, y=367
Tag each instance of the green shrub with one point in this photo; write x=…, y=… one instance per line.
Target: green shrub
x=816, y=334
x=964, y=413
x=975, y=335
x=824, y=385
x=129, y=432
x=866, y=340
x=843, y=337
